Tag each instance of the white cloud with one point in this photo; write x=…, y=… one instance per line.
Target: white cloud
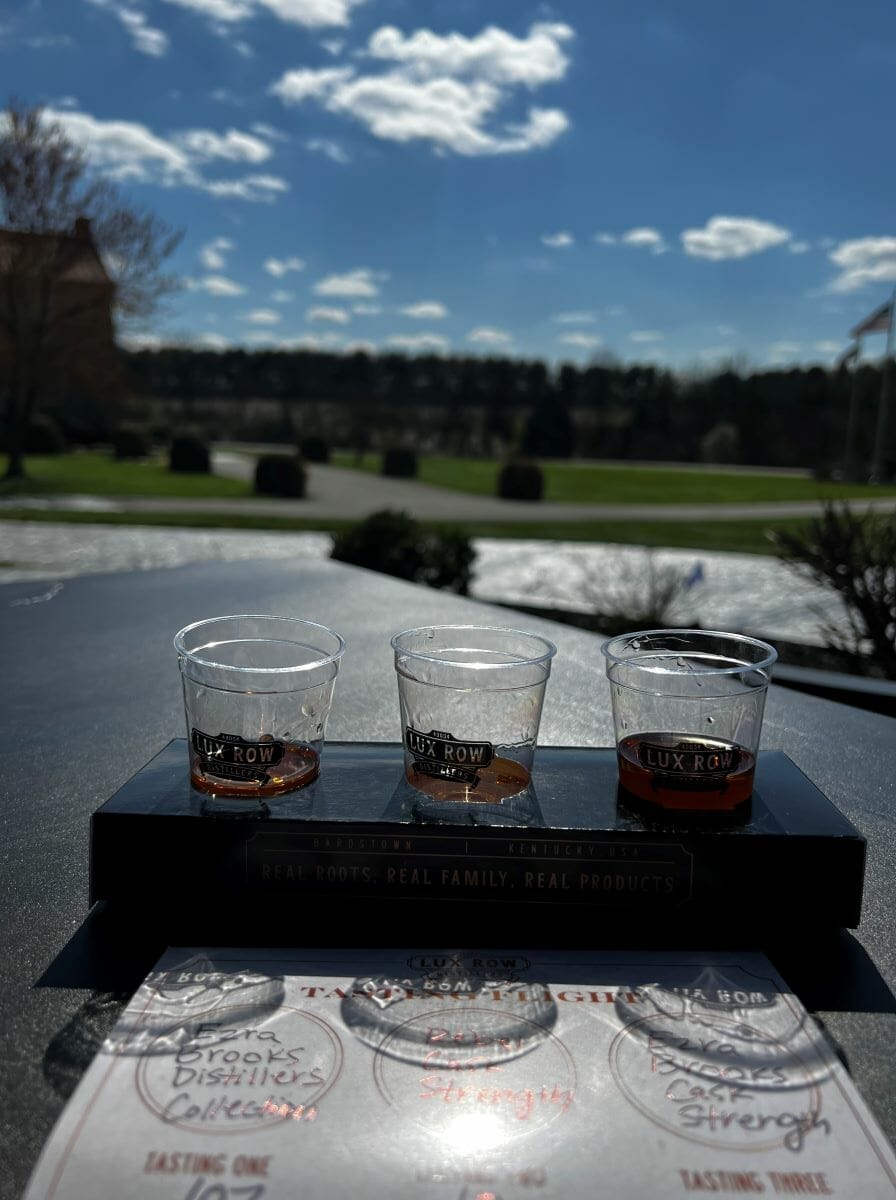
x=262, y=316
x=310, y=13
x=233, y=146
x=828, y=347
x=279, y=266
x=127, y=150
x=269, y=131
x=306, y=82
x=494, y=54
x=863, y=261
x=321, y=312
x=425, y=310
x=260, y=189
x=140, y=341
x=558, y=241
x=266, y=337
x=216, y=285
x=485, y=335
x=419, y=341
x=444, y=89
x=582, y=341
x=333, y=46
x=726, y=330
x=212, y=254
x=282, y=297
x=359, y=282
x=650, y=239
x=781, y=351
x=46, y=41
x=218, y=10
x=313, y=14
x=732, y=237
x=329, y=149
x=367, y=310
x=145, y=38
x=641, y=237
x=647, y=335
x=311, y=341
x=798, y=247
x=211, y=341
x=712, y=354
x=574, y=318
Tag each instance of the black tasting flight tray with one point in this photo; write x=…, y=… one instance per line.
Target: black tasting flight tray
x=356, y=849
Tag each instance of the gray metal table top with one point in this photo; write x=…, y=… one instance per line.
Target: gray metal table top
x=92, y=692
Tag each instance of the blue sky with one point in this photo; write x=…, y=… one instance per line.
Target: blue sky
x=678, y=183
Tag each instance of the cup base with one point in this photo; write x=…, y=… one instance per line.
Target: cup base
x=685, y=772
x=498, y=782
x=298, y=766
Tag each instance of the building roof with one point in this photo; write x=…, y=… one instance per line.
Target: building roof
x=70, y=257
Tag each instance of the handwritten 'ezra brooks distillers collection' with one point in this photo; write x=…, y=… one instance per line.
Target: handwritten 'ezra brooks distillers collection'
x=687, y=709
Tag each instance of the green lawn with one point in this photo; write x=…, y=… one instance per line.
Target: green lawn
x=748, y=537
x=593, y=484
x=97, y=473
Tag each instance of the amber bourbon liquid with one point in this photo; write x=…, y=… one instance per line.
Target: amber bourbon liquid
x=298, y=766
x=678, y=771
x=500, y=780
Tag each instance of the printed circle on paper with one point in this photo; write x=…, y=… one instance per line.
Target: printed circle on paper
x=242, y=1076
x=713, y=1095
x=464, y=1090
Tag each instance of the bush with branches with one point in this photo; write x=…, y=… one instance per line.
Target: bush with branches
x=855, y=554
x=395, y=544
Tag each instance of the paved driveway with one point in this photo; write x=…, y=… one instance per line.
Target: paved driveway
x=340, y=493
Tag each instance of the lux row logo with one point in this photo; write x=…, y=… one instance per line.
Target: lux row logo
x=440, y=747
x=231, y=749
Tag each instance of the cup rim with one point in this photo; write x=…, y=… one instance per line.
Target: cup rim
x=771, y=654
x=298, y=669
x=549, y=648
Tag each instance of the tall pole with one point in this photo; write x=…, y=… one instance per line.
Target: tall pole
x=880, y=433
x=852, y=420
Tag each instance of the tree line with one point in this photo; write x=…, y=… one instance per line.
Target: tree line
x=793, y=418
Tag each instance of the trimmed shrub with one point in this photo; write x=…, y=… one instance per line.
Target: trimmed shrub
x=314, y=449
x=189, y=455
x=394, y=544
x=520, y=481
x=130, y=441
x=399, y=463
x=277, y=475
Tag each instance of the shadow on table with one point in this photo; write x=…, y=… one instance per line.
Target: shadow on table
x=113, y=950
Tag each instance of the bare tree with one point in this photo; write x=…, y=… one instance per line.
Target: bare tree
x=73, y=256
